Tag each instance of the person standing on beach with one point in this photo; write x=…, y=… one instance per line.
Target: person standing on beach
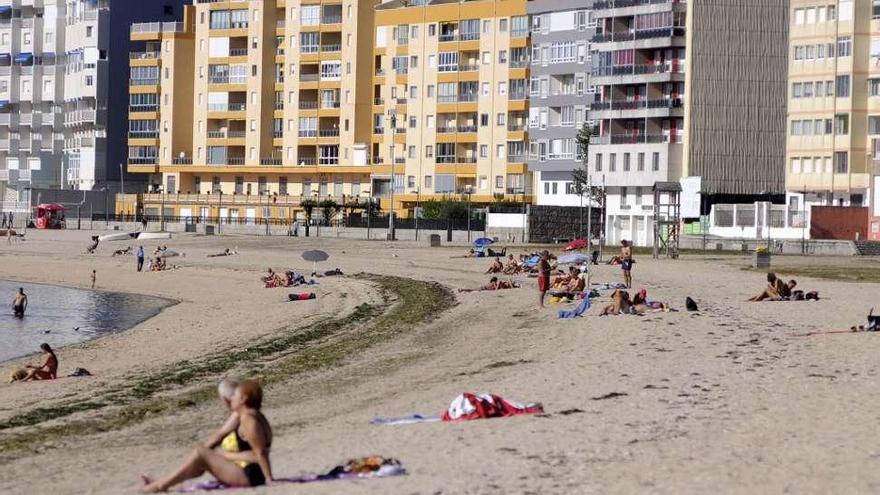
x=19, y=303
x=94, y=276
x=140, y=257
x=626, y=263
x=543, y=276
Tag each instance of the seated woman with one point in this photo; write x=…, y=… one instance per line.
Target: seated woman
x=620, y=304
x=774, y=291
x=571, y=290
x=46, y=371
x=247, y=466
x=496, y=267
x=512, y=267
x=615, y=260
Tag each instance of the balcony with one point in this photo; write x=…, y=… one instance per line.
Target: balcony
x=307, y=133
x=143, y=134
x=272, y=160
x=466, y=159
x=331, y=48
x=519, y=64
x=468, y=68
x=279, y=24
x=620, y=4
x=467, y=128
x=446, y=129
x=519, y=33
x=277, y=134
x=143, y=108
x=444, y=37
x=516, y=158
x=143, y=55
x=279, y=105
x=142, y=160
x=332, y=19
x=517, y=95
x=636, y=104
x=644, y=34
x=400, y=71
x=328, y=104
x=378, y=101
x=378, y=130
x=227, y=107
x=327, y=133
x=308, y=105
x=516, y=127
x=238, y=52
x=309, y=77
x=630, y=139
x=378, y=160
x=144, y=82
x=226, y=79
x=182, y=160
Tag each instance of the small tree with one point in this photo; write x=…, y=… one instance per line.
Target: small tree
x=308, y=206
x=328, y=209
x=583, y=186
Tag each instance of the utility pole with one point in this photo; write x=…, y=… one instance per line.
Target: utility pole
x=393, y=115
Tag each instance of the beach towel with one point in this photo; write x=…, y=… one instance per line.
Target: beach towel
x=582, y=308
x=615, y=286
x=531, y=262
x=468, y=406
x=360, y=468
x=302, y=296
x=404, y=420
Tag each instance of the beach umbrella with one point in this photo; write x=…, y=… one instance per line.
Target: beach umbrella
x=576, y=244
x=573, y=258
x=315, y=255
x=483, y=241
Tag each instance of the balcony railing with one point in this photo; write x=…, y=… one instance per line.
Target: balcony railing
x=516, y=127
x=467, y=128
x=331, y=19
x=182, y=160
x=308, y=105
x=667, y=32
x=143, y=134
x=307, y=133
x=517, y=95
x=378, y=130
x=143, y=55
x=630, y=139
x=448, y=37
x=272, y=160
x=153, y=81
x=227, y=79
x=142, y=160
x=469, y=36
x=446, y=129
x=277, y=134
x=401, y=70
x=466, y=159
x=468, y=67
x=226, y=107
x=378, y=101
x=618, y=4
x=636, y=104
x=279, y=105
x=638, y=69
x=308, y=77
x=143, y=108
x=331, y=48
x=516, y=158
x=330, y=104
x=519, y=33
x=519, y=64
x=325, y=133
x=238, y=52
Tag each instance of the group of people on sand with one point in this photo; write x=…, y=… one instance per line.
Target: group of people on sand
x=622, y=304
x=495, y=284
x=777, y=290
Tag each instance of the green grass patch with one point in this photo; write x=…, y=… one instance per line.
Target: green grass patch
x=862, y=274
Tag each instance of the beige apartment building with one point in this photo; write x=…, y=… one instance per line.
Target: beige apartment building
x=247, y=108
x=450, y=101
x=833, y=105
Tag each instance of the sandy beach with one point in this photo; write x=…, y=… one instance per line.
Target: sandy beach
x=724, y=400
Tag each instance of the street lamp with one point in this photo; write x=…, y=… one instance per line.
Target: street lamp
x=392, y=113
x=418, y=193
x=468, y=190
x=369, y=212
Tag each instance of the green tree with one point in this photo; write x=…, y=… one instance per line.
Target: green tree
x=328, y=209
x=583, y=185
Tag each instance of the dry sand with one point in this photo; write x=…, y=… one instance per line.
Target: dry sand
x=724, y=400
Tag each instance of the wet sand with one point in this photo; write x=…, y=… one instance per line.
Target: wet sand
x=723, y=400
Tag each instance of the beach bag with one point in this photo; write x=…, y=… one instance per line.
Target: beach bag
x=690, y=304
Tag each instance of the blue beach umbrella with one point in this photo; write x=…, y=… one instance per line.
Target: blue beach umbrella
x=483, y=241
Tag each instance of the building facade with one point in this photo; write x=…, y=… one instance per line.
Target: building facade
x=58, y=61
x=450, y=106
x=687, y=89
x=560, y=94
x=833, y=109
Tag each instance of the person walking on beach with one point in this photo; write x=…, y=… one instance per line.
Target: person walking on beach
x=626, y=262
x=19, y=303
x=140, y=257
x=543, y=276
x=94, y=276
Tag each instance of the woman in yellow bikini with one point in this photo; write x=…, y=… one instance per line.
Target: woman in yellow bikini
x=244, y=460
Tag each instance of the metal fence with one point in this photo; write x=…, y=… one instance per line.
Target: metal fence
x=354, y=221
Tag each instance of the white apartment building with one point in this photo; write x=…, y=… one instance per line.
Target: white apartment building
x=61, y=63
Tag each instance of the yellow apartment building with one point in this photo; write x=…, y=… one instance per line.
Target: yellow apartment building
x=450, y=100
x=247, y=108
x=834, y=101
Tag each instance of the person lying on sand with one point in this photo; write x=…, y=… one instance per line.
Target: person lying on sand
x=494, y=284
x=775, y=290
x=93, y=246
x=121, y=252
x=46, y=371
x=248, y=466
x=492, y=253
x=641, y=304
x=496, y=266
x=615, y=260
x=226, y=252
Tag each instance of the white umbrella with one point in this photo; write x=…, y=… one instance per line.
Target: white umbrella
x=315, y=256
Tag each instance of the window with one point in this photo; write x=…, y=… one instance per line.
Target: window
x=874, y=87
x=797, y=90
x=487, y=58
x=89, y=30
x=499, y=182
x=310, y=15
x=841, y=124
x=612, y=159
x=842, y=86
x=799, y=16
x=808, y=90
x=484, y=119
x=430, y=91
x=626, y=162
x=844, y=46
x=500, y=119
x=484, y=151
x=448, y=62
x=598, y=162
x=841, y=162
x=502, y=56
x=640, y=162
x=432, y=31
x=562, y=52
x=411, y=152
x=429, y=151
x=412, y=122
x=655, y=161
x=624, y=194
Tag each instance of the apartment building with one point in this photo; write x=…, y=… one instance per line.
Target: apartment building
x=560, y=94
x=833, y=109
x=450, y=101
x=265, y=101
x=686, y=89
x=58, y=62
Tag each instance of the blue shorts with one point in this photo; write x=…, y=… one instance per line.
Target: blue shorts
x=626, y=265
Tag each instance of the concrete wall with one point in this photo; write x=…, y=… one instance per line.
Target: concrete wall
x=814, y=247
x=555, y=223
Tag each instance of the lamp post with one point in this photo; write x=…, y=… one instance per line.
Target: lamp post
x=369, y=212
x=418, y=193
x=523, y=191
x=393, y=115
x=219, y=216
x=468, y=190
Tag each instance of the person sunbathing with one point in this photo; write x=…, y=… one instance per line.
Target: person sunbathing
x=774, y=291
x=494, y=284
x=226, y=252
x=641, y=304
x=272, y=279
x=512, y=267
x=46, y=371
x=247, y=466
x=615, y=260
x=620, y=304
x=496, y=267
